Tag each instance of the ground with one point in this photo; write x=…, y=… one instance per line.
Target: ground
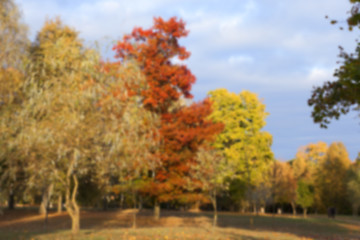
x=116, y=224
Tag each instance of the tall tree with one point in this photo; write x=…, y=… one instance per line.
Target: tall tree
x=182, y=129
x=13, y=51
x=58, y=115
x=245, y=146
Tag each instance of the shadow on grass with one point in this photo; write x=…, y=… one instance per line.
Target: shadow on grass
x=27, y=224
x=311, y=227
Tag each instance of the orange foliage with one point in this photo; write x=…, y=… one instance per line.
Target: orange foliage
x=153, y=49
x=183, y=129
x=184, y=132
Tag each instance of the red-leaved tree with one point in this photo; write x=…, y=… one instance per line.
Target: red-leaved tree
x=153, y=49
x=183, y=129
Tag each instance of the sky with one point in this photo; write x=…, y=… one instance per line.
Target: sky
x=279, y=49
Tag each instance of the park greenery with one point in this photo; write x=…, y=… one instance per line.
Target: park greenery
x=80, y=131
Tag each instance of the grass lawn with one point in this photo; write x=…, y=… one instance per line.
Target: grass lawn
x=99, y=225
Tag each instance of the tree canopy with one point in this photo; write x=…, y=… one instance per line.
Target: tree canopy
x=335, y=98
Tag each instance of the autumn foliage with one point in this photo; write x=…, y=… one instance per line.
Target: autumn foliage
x=130, y=130
x=183, y=129
x=154, y=49
x=184, y=132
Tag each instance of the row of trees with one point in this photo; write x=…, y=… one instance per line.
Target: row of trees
x=75, y=127
x=70, y=119
x=320, y=177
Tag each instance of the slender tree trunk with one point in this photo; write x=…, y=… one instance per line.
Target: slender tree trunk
x=59, y=203
x=46, y=195
x=157, y=210
x=293, y=206
x=254, y=208
x=105, y=203
x=11, y=201
x=71, y=205
x=214, y=203
x=122, y=200
x=305, y=212
x=135, y=210
x=140, y=203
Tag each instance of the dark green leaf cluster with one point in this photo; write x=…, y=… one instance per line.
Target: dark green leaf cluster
x=336, y=98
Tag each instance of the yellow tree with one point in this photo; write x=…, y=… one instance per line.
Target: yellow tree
x=59, y=116
x=245, y=146
x=13, y=46
x=283, y=183
x=331, y=178
x=305, y=167
x=13, y=36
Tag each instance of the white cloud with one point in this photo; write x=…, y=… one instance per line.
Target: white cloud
x=296, y=41
x=240, y=59
x=318, y=75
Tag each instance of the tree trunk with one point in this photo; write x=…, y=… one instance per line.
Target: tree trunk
x=157, y=210
x=105, y=203
x=11, y=201
x=305, y=212
x=196, y=207
x=140, y=203
x=214, y=203
x=75, y=223
x=215, y=220
x=42, y=208
x=293, y=206
x=122, y=200
x=46, y=195
x=59, y=203
x=71, y=205
x=135, y=210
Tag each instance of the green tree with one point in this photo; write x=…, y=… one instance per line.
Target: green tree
x=304, y=195
x=338, y=97
x=353, y=188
